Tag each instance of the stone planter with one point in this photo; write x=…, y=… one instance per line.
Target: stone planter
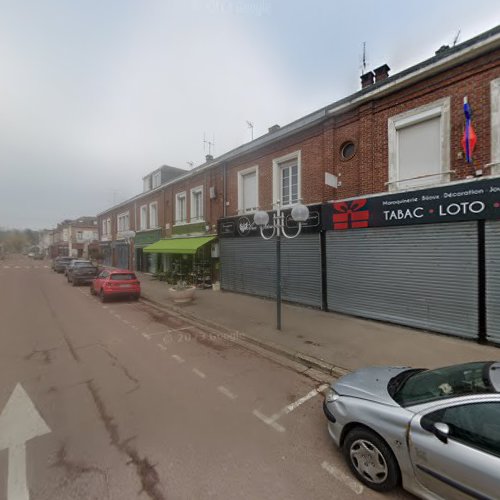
x=182, y=296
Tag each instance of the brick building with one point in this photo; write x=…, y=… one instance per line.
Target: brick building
x=73, y=237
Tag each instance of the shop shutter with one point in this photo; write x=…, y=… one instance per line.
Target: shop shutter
x=248, y=265
x=121, y=252
x=423, y=276
x=492, y=249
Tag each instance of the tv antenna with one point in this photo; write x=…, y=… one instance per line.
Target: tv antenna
x=364, y=61
x=190, y=163
x=209, y=144
x=455, y=40
x=250, y=126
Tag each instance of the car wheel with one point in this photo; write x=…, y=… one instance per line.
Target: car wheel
x=92, y=291
x=75, y=283
x=102, y=296
x=371, y=460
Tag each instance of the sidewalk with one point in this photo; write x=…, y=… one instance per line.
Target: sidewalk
x=320, y=339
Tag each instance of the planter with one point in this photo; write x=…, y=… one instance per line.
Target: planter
x=182, y=296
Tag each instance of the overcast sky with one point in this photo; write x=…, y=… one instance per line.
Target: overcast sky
x=94, y=94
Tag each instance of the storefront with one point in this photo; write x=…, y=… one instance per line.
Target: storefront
x=145, y=262
x=106, y=253
x=248, y=261
x=187, y=259
x=121, y=251
x=418, y=258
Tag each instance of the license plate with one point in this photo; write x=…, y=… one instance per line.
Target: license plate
x=125, y=285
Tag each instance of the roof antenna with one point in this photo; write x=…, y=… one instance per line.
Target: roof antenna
x=190, y=163
x=363, y=60
x=210, y=144
x=455, y=40
x=250, y=126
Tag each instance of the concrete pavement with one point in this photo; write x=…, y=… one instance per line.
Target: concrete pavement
x=333, y=342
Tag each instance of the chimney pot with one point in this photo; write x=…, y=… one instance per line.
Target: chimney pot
x=367, y=79
x=382, y=73
x=274, y=128
x=209, y=157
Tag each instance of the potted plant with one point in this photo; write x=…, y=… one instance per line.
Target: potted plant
x=182, y=292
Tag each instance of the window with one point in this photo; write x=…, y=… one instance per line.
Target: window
x=104, y=227
x=197, y=204
x=156, y=179
x=147, y=183
x=79, y=236
x=123, y=222
x=144, y=217
x=419, y=143
x=180, y=208
x=108, y=226
x=476, y=425
x=347, y=150
x=153, y=215
x=287, y=179
x=248, y=190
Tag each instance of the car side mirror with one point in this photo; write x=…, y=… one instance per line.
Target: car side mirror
x=441, y=431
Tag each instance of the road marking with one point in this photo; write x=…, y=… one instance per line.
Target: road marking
x=45, y=267
x=269, y=421
x=117, y=316
x=19, y=422
x=226, y=392
x=104, y=307
x=146, y=336
x=126, y=321
x=199, y=373
x=162, y=347
x=6, y=267
x=178, y=358
x=134, y=327
x=340, y=476
x=288, y=409
x=16, y=267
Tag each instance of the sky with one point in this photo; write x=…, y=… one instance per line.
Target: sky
x=95, y=94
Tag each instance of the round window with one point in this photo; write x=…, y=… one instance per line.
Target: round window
x=348, y=150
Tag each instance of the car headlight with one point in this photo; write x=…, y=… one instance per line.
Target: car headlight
x=331, y=395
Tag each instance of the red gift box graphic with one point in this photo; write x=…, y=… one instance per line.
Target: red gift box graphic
x=349, y=215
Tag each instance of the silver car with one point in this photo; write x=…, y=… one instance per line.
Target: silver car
x=435, y=432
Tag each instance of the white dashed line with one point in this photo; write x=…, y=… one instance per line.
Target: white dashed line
x=104, y=307
x=45, y=267
x=340, y=476
x=226, y=392
x=269, y=421
x=146, y=336
x=17, y=267
x=126, y=321
x=199, y=373
x=162, y=347
x=178, y=358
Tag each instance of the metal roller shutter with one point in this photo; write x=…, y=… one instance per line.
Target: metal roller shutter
x=248, y=265
x=492, y=249
x=122, y=256
x=423, y=276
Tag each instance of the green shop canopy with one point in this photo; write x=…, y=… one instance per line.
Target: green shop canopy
x=179, y=245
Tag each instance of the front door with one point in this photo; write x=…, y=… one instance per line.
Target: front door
x=468, y=463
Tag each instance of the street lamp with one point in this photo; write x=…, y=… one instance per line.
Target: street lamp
x=129, y=235
x=300, y=213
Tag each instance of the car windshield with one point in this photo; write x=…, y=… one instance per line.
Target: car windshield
x=432, y=385
x=81, y=264
x=122, y=277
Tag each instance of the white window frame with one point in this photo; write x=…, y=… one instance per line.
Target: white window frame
x=440, y=108
x=178, y=196
x=196, y=190
x=104, y=227
x=143, y=217
x=123, y=222
x=242, y=174
x=277, y=162
x=108, y=226
x=146, y=184
x=495, y=126
x=156, y=180
x=151, y=205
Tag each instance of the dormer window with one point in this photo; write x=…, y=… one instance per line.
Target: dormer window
x=147, y=183
x=156, y=179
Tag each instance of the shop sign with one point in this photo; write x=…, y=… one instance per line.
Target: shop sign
x=244, y=225
x=452, y=203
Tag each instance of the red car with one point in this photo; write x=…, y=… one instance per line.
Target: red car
x=116, y=283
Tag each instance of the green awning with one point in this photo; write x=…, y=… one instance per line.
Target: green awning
x=179, y=245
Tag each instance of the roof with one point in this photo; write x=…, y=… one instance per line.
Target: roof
x=443, y=59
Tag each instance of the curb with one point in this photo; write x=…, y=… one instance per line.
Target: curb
x=298, y=357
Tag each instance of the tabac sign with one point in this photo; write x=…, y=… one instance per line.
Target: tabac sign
x=244, y=225
x=458, y=202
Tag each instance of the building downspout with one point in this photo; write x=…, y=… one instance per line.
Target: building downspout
x=225, y=189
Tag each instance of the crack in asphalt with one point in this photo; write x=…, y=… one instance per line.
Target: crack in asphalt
x=45, y=353
x=148, y=475
x=116, y=362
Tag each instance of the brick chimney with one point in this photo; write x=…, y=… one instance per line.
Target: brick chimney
x=209, y=158
x=382, y=73
x=367, y=79
x=274, y=128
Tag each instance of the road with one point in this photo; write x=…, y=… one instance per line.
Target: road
x=142, y=405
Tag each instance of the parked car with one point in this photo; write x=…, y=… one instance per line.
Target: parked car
x=73, y=262
x=60, y=263
x=80, y=272
x=38, y=256
x=116, y=283
x=437, y=432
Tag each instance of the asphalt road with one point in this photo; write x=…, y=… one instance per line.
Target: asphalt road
x=142, y=405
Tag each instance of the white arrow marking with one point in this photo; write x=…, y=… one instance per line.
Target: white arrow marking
x=19, y=422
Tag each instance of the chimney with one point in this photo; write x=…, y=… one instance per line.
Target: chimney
x=274, y=128
x=367, y=79
x=382, y=73
x=209, y=158
x=443, y=48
